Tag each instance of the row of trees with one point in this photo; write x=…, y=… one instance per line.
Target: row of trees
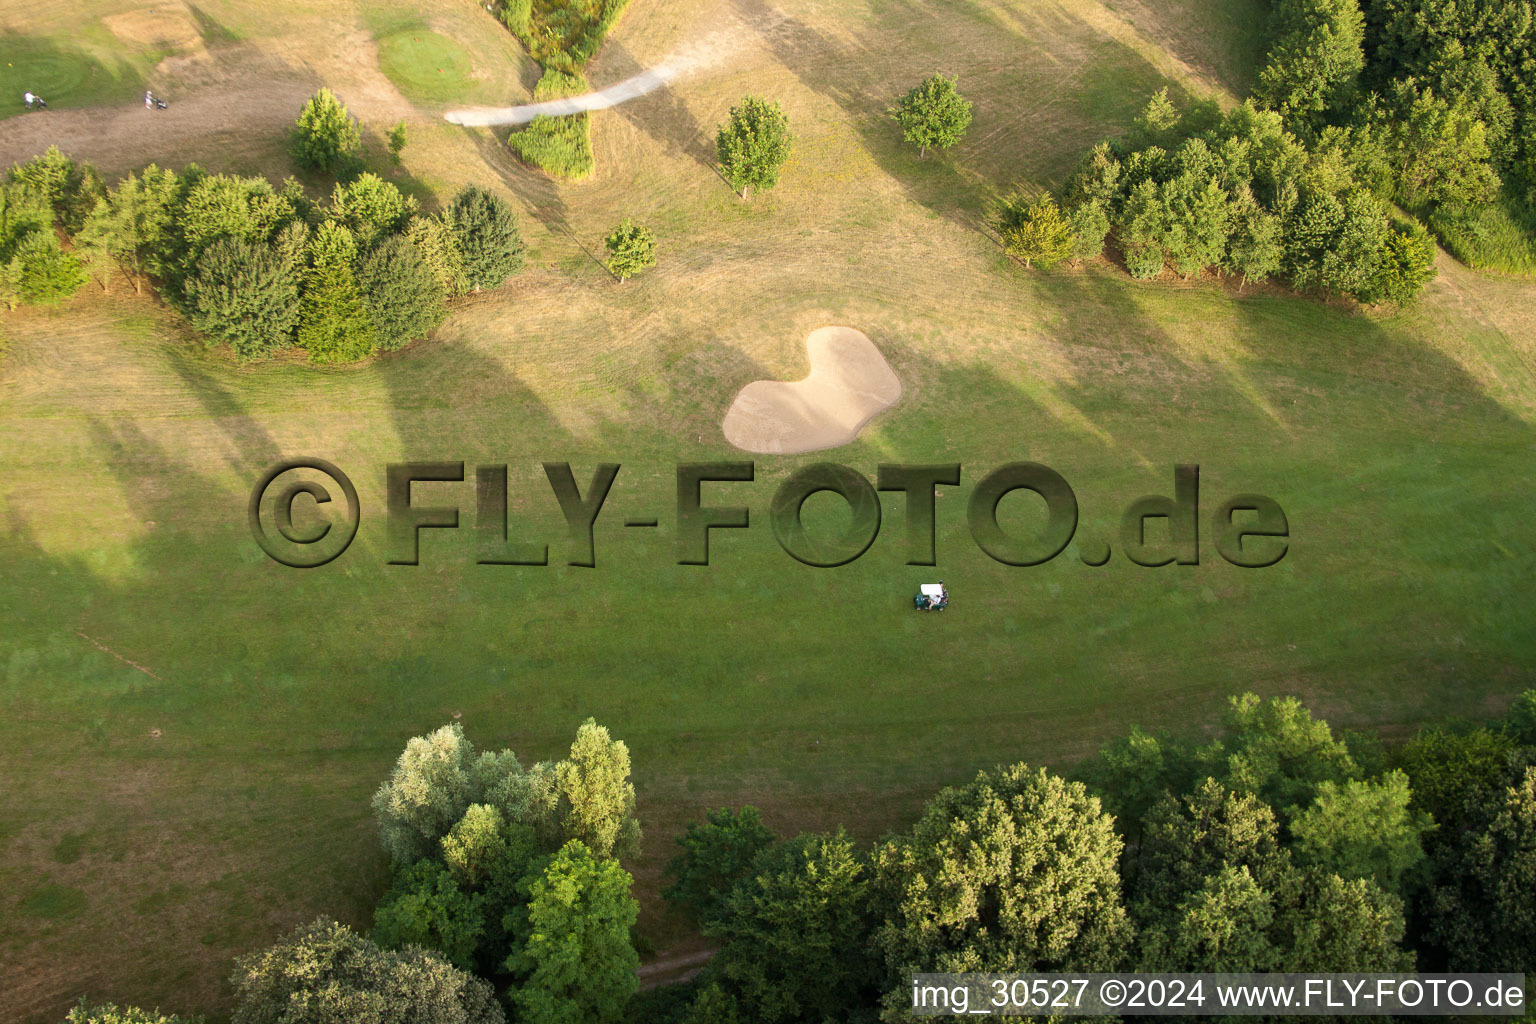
x=1426, y=104
x=257, y=266
x=1236, y=193
x=1276, y=846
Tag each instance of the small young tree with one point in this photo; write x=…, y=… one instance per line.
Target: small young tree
x=1034, y=231
x=397, y=142
x=439, y=248
x=325, y=137
x=631, y=250
x=753, y=145
x=1405, y=264
x=334, y=324
x=933, y=114
x=246, y=294
x=1253, y=246
x=404, y=296
x=573, y=954
x=485, y=227
x=1089, y=225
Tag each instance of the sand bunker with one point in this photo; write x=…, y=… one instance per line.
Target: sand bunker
x=849, y=384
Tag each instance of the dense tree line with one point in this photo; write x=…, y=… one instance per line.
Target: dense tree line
x=1240, y=194
x=1276, y=845
x=1424, y=105
x=513, y=871
x=258, y=266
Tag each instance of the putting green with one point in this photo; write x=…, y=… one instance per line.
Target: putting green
x=62, y=75
x=425, y=66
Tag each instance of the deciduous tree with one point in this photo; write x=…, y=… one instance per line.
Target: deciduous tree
x=795, y=931
x=933, y=114
x=716, y=853
x=573, y=957
x=324, y=973
x=753, y=145
x=631, y=250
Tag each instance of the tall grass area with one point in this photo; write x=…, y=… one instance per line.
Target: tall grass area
x=562, y=34
x=560, y=145
x=1500, y=236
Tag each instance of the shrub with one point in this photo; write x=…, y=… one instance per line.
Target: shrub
x=39, y=272
x=325, y=137
x=324, y=972
x=107, y=1013
x=404, y=295
x=933, y=114
x=631, y=250
x=244, y=293
x=485, y=228
x=1499, y=236
x=515, y=15
x=753, y=145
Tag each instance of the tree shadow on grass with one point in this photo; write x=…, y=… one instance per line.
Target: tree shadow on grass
x=661, y=113
x=959, y=184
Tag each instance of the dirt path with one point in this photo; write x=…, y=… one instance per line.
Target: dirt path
x=673, y=970
x=230, y=106
x=709, y=50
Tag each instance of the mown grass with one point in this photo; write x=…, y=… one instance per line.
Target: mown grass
x=223, y=784
x=426, y=66
x=67, y=73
